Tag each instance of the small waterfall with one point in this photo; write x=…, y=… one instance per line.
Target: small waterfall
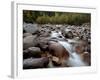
x=54, y=34
x=74, y=59
x=66, y=45
x=57, y=35
x=50, y=64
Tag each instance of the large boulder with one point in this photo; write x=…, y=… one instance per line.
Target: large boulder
x=44, y=32
x=67, y=33
x=42, y=43
x=29, y=41
x=32, y=63
x=32, y=52
x=30, y=28
x=87, y=58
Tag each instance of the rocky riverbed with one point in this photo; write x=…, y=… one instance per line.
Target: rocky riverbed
x=36, y=38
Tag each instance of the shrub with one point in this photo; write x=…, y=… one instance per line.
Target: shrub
x=43, y=20
x=42, y=17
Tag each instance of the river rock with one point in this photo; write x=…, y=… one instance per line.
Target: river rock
x=87, y=58
x=27, y=34
x=32, y=52
x=30, y=28
x=67, y=33
x=32, y=63
x=29, y=41
x=42, y=43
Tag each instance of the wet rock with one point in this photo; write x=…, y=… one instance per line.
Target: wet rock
x=87, y=58
x=68, y=34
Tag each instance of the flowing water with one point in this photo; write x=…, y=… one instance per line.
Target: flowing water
x=74, y=59
x=57, y=35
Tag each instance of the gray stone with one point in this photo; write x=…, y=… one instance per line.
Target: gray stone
x=34, y=50
x=68, y=34
x=32, y=63
x=42, y=43
x=27, y=34
x=29, y=41
x=30, y=28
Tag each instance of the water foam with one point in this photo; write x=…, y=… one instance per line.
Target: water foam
x=74, y=59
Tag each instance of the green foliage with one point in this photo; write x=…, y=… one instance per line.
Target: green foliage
x=43, y=17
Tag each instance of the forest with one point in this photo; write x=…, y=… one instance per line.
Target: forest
x=46, y=17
